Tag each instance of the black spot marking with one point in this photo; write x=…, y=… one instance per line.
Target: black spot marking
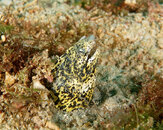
x=70, y=66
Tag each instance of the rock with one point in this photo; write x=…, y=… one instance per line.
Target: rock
x=51, y=125
x=37, y=84
x=3, y=38
x=9, y=79
x=160, y=42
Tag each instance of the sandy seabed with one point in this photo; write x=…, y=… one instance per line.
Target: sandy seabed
x=129, y=73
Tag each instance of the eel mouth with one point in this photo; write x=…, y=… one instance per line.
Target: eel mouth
x=92, y=48
x=92, y=51
x=92, y=55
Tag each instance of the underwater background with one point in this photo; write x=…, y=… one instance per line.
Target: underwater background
x=128, y=90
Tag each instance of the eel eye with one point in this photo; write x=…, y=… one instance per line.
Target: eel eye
x=82, y=50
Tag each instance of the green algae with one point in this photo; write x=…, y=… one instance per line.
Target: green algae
x=5, y=28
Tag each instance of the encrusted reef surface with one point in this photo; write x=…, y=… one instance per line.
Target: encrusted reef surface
x=129, y=78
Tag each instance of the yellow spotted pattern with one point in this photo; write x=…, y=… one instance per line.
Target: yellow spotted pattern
x=74, y=75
